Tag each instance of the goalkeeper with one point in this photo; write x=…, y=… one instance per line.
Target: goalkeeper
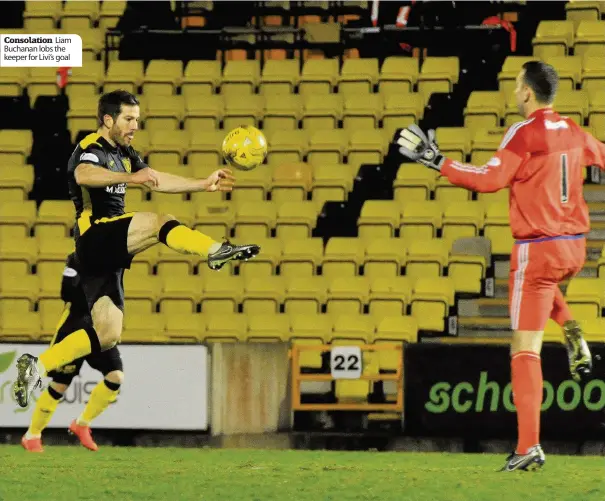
x=75, y=316
x=541, y=159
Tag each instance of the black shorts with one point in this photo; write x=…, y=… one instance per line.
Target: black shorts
x=104, y=362
x=103, y=247
x=110, y=284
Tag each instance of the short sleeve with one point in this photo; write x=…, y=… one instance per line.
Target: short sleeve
x=93, y=155
x=135, y=159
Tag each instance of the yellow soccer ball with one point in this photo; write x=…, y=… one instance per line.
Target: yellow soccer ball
x=245, y=148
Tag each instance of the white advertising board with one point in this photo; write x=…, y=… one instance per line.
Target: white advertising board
x=165, y=388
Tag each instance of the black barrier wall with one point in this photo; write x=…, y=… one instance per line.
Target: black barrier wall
x=465, y=391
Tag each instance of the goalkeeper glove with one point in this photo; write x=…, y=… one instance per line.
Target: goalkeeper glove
x=415, y=145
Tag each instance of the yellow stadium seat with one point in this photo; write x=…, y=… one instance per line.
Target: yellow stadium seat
x=110, y=13
x=93, y=42
x=331, y=182
x=255, y=220
x=362, y=111
x=291, y=182
x=384, y=258
x=490, y=198
x=162, y=77
x=222, y=293
x=203, y=113
x=398, y=75
x=585, y=297
x=252, y=186
x=265, y=264
x=282, y=112
x=56, y=218
x=569, y=69
x=185, y=328
x=446, y=192
x=240, y=77
x=497, y=228
x=572, y=103
x=310, y=330
x=578, y=11
x=305, y=294
x=16, y=182
x=322, y=111
x=52, y=253
x=593, y=74
x=226, y=328
x=50, y=306
x=180, y=294
x=378, y=219
x=365, y=147
x=431, y=301
x=485, y=143
x=414, y=182
x=164, y=112
x=510, y=69
x=553, y=38
x=21, y=290
x=279, y=77
x=389, y=296
x=394, y=330
x=342, y=257
x=301, y=258
x=17, y=218
x=15, y=146
x=214, y=218
x=319, y=76
x=347, y=295
x=401, y=110
x=201, y=78
x=327, y=146
x=204, y=147
x=171, y=262
x=483, y=110
x=42, y=82
x=13, y=80
x=41, y=16
x=296, y=220
x=358, y=76
x=357, y=327
x=268, y=328
x=142, y=328
x=462, y=219
x=287, y=146
x=438, y=74
x=426, y=258
x=263, y=294
x=126, y=75
x=142, y=291
x=356, y=390
x=19, y=326
x=593, y=329
x=85, y=81
x=82, y=10
x=454, y=142
x=597, y=109
x=242, y=110
x=468, y=262
x=82, y=115
x=590, y=38
x=420, y=220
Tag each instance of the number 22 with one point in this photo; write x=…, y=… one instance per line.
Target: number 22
x=564, y=179
x=340, y=360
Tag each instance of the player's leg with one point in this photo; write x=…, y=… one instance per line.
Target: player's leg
x=147, y=229
x=109, y=363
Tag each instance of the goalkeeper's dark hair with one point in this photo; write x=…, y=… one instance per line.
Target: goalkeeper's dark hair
x=542, y=78
x=111, y=104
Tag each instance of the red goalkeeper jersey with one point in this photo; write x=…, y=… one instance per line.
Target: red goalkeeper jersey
x=541, y=160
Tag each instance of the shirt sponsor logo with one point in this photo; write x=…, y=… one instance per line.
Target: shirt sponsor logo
x=118, y=189
x=494, y=162
x=90, y=157
x=561, y=124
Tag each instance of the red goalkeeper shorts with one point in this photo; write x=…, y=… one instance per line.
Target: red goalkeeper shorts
x=537, y=268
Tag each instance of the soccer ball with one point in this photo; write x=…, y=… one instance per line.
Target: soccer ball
x=245, y=148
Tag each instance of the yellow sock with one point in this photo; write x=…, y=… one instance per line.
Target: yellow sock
x=43, y=412
x=100, y=398
x=74, y=346
x=188, y=241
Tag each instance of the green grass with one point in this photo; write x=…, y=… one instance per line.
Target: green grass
x=122, y=474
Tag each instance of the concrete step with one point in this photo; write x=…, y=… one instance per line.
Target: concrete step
x=594, y=193
x=484, y=326
x=483, y=307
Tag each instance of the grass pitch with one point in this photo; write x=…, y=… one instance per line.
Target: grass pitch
x=123, y=474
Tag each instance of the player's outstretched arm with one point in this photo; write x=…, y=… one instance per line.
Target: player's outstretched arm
x=92, y=176
x=220, y=180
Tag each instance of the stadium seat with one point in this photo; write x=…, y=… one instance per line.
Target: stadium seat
x=365, y=147
x=266, y=263
x=296, y=220
x=255, y=220
x=319, y=76
x=221, y=293
x=126, y=75
x=42, y=82
x=401, y=110
x=358, y=76
x=291, y=183
x=483, y=111
x=378, y=219
x=327, y=146
x=13, y=80
x=240, y=77
x=252, y=186
x=431, y=300
x=214, y=218
x=468, y=263
x=287, y=146
x=226, y=328
x=55, y=219
x=171, y=262
x=497, y=228
x=342, y=257
x=268, y=328
x=18, y=254
x=347, y=295
x=142, y=292
x=593, y=329
x=322, y=111
x=282, y=112
x=164, y=112
x=82, y=115
x=203, y=114
x=462, y=219
x=398, y=75
x=394, y=329
x=85, y=81
x=593, y=74
x=201, y=78
x=585, y=297
x=572, y=103
x=331, y=182
x=15, y=146
x=263, y=295
x=354, y=328
x=16, y=182
x=20, y=292
x=362, y=111
x=179, y=294
x=590, y=38
x=52, y=253
x=389, y=296
x=414, y=182
x=110, y=13
x=301, y=258
x=204, y=147
x=438, y=74
x=420, y=220
x=305, y=294
x=242, y=110
x=19, y=326
x=162, y=77
x=454, y=142
x=446, y=192
x=553, y=38
x=279, y=77
x=569, y=69
x=582, y=11
x=147, y=328
x=426, y=258
x=185, y=328
x=508, y=76
x=384, y=258
x=310, y=330
x=17, y=218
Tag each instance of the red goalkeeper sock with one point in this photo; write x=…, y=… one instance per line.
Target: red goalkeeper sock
x=527, y=393
x=560, y=311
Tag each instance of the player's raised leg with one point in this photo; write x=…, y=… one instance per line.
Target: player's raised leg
x=580, y=359
x=41, y=416
x=147, y=229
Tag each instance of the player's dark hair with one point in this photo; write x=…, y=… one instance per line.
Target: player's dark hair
x=111, y=104
x=542, y=78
